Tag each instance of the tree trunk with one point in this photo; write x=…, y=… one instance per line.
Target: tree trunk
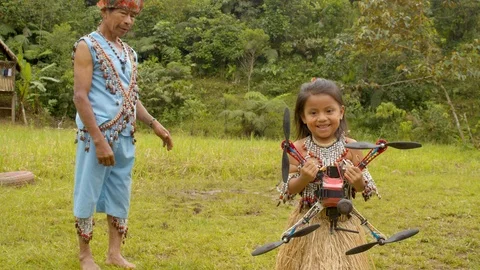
x=468, y=128
x=457, y=123
x=251, y=64
x=23, y=113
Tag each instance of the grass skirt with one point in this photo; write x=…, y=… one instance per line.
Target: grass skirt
x=321, y=249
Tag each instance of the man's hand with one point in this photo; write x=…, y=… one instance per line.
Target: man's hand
x=104, y=153
x=164, y=134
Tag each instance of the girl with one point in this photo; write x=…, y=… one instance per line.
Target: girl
x=321, y=127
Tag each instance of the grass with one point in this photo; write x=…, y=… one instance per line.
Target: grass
x=208, y=203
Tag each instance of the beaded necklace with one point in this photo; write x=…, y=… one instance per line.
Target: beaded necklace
x=326, y=156
x=123, y=61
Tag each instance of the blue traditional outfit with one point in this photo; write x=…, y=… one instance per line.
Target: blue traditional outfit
x=113, y=96
x=324, y=248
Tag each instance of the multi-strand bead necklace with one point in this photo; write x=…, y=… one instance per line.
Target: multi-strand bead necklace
x=123, y=61
x=325, y=156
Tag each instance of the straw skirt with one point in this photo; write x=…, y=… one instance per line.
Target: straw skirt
x=321, y=250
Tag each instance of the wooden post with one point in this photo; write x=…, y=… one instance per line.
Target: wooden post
x=14, y=101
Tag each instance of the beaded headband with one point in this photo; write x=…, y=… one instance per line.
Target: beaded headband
x=131, y=5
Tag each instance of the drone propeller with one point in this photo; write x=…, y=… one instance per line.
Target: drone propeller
x=285, y=166
x=285, y=145
x=398, y=145
x=394, y=238
x=271, y=246
x=266, y=248
x=286, y=124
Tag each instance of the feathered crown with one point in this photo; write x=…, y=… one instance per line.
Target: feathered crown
x=131, y=5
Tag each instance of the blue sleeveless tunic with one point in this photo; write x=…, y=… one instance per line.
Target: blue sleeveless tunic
x=113, y=92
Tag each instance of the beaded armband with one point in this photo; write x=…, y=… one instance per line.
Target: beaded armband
x=370, y=187
x=283, y=189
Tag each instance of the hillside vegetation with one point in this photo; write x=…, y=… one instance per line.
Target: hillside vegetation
x=410, y=69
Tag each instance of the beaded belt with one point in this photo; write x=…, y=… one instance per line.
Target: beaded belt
x=108, y=125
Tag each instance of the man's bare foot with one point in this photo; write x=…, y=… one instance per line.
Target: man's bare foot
x=87, y=263
x=119, y=261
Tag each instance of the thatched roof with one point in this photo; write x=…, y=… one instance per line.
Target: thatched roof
x=8, y=53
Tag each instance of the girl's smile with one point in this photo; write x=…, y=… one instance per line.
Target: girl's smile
x=322, y=115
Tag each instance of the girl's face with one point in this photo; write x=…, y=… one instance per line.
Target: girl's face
x=322, y=115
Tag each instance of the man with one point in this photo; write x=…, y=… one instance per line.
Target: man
x=106, y=99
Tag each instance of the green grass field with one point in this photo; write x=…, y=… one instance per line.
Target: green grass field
x=208, y=203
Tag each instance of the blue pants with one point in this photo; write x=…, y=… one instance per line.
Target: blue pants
x=104, y=189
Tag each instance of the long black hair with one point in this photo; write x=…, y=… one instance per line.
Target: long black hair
x=315, y=87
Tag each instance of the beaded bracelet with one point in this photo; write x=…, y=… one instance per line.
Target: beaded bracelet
x=151, y=122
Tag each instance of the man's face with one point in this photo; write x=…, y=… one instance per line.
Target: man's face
x=119, y=21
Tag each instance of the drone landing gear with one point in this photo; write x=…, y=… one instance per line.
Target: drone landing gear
x=333, y=214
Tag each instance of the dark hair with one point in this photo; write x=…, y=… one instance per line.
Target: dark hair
x=315, y=87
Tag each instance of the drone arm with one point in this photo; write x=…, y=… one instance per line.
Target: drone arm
x=313, y=211
x=301, y=173
x=373, y=231
x=373, y=153
x=293, y=152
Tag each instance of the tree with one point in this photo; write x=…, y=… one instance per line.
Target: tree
x=23, y=85
x=394, y=45
x=456, y=21
x=258, y=114
x=212, y=43
x=254, y=43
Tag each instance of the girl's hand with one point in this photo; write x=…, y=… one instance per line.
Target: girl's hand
x=354, y=175
x=309, y=171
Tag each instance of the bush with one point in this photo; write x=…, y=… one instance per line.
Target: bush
x=433, y=124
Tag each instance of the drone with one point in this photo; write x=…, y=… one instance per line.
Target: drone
x=335, y=195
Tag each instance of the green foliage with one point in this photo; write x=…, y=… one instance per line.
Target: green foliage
x=57, y=97
x=460, y=65
x=6, y=29
x=456, y=21
x=42, y=14
x=32, y=85
x=275, y=24
x=433, y=124
x=23, y=85
x=389, y=119
x=212, y=43
x=258, y=117
x=164, y=89
x=400, y=52
x=254, y=43
x=391, y=43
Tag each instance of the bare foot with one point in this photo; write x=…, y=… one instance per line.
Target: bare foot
x=120, y=262
x=88, y=263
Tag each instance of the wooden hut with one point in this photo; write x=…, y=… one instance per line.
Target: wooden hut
x=8, y=69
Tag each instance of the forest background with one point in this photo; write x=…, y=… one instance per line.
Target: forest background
x=409, y=69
